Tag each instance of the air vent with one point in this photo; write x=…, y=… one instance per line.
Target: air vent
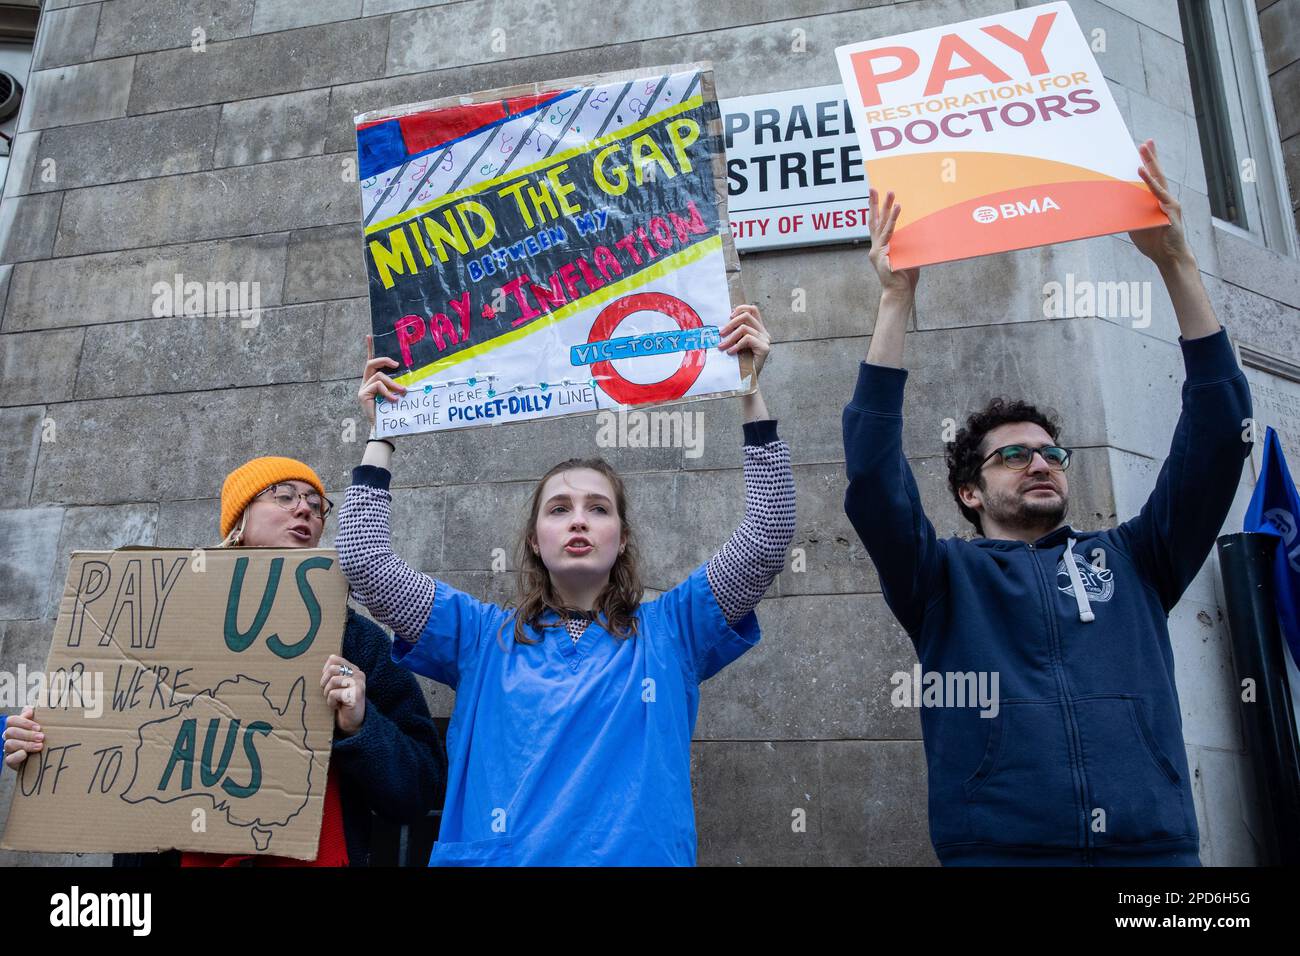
x=11, y=94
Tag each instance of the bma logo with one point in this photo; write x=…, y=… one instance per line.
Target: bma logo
x=1012, y=210
x=1099, y=583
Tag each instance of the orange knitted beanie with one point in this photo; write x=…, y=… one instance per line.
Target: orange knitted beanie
x=248, y=480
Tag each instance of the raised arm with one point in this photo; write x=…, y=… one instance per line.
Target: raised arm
x=744, y=568
x=897, y=289
x=882, y=501
x=1172, y=535
x=396, y=594
x=1167, y=247
x=740, y=573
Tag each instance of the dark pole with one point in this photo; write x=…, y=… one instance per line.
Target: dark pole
x=1257, y=654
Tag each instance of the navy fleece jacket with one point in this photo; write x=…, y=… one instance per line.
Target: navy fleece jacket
x=396, y=764
x=1084, y=761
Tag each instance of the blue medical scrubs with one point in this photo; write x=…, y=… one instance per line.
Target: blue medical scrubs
x=573, y=754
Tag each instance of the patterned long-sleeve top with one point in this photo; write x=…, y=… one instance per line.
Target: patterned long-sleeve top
x=739, y=573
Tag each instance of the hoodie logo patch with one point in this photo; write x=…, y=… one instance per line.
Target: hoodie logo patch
x=1098, y=583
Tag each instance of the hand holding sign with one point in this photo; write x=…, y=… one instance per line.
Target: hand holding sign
x=882, y=222
x=22, y=736
x=1163, y=245
x=344, y=687
x=375, y=383
x=745, y=330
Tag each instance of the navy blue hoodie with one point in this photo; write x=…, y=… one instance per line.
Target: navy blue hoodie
x=1084, y=761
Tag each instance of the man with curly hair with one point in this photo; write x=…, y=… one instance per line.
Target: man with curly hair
x=1081, y=760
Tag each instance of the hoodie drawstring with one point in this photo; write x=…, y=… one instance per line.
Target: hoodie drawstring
x=1080, y=595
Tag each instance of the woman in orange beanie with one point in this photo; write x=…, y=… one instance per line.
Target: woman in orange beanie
x=388, y=756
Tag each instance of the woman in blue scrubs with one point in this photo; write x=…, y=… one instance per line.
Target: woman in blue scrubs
x=570, y=739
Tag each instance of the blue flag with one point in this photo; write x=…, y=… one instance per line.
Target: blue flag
x=1275, y=509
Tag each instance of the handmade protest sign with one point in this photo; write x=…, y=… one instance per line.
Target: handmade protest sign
x=181, y=704
x=549, y=249
x=995, y=134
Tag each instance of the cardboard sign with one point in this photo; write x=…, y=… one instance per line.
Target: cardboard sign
x=181, y=704
x=794, y=170
x=995, y=134
x=549, y=249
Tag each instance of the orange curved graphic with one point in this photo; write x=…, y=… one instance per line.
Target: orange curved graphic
x=1036, y=214
x=928, y=182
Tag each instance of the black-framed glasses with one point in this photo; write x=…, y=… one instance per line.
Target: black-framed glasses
x=286, y=496
x=1018, y=457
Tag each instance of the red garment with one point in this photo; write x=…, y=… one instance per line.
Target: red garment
x=331, y=851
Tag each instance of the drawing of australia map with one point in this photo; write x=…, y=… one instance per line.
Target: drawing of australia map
x=204, y=753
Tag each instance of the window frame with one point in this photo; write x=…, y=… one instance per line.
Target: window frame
x=1238, y=53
